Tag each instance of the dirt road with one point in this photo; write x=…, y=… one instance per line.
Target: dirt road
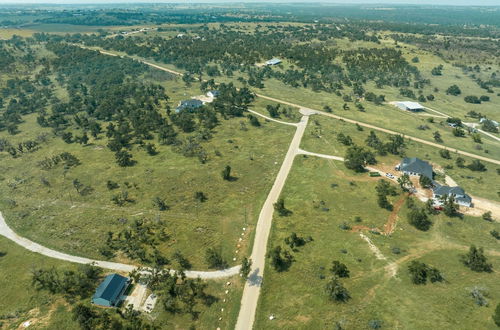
x=251, y=291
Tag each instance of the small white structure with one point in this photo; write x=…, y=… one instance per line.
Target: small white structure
x=409, y=106
x=213, y=93
x=273, y=61
x=482, y=120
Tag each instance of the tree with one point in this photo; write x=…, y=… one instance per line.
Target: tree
x=476, y=260
x=85, y=316
x=160, y=203
x=405, y=182
x=151, y=149
x=294, y=241
x=453, y=90
x=254, y=121
x=344, y=139
x=425, y=181
x=246, y=266
x=280, y=260
x=418, y=218
x=418, y=272
x=124, y=158
x=460, y=162
x=214, y=259
x=200, y=196
x=437, y=137
x=445, y=153
x=450, y=208
x=458, y=132
x=357, y=157
x=336, y=291
x=339, y=269
x=477, y=166
x=487, y=216
x=496, y=316
x=226, y=173
x=437, y=71
x=472, y=99
x=279, y=207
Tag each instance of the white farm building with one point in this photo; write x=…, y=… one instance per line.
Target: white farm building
x=410, y=106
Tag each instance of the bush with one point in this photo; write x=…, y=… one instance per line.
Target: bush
x=214, y=259
x=476, y=260
x=472, y=99
x=453, y=90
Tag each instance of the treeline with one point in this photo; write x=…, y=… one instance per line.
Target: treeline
x=227, y=51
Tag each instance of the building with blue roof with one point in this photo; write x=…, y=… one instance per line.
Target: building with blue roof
x=109, y=292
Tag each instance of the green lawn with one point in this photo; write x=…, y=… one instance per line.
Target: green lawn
x=58, y=217
x=321, y=137
x=297, y=298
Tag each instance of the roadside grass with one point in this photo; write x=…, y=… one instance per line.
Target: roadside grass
x=58, y=217
x=321, y=137
x=297, y=297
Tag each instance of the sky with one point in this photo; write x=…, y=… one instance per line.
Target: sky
x=422, y=2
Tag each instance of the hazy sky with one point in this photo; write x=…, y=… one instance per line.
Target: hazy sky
x=426, y=2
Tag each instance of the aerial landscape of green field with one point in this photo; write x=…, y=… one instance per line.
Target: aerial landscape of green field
x=251, y=165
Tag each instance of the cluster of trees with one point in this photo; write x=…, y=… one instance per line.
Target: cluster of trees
x=70, y=283
x=419, y=216
x=420, y=272
x=224, y=50
x=384, y=189
x=396, y=144
x=356, y=158
x=69, y=160
x=139, y=241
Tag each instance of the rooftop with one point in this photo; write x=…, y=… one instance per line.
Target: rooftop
x=410, y=105
x=111, y=288
x=416, y=165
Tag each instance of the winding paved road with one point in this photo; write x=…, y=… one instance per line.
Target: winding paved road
x=35, y=247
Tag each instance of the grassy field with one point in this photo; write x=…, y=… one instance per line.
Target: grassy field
x=20, y=300
x=57, y=216
x=297, y=298
x=321, y=137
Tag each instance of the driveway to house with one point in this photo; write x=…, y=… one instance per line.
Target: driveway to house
x=7, y=232
x=251, y=291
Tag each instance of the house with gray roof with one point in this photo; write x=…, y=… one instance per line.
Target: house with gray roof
x=415, y=167
x=461, y=198
x=110, y=291
x=190, y=105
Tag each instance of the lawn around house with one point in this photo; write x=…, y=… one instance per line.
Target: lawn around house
x=297, y=297
x=321, y=137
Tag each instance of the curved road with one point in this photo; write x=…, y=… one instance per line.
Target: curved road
x=35, y=247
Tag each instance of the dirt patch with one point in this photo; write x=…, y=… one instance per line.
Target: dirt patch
x=390, y=225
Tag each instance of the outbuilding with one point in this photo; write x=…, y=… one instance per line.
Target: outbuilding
x=110, y=291
x=273, y=61
x=410, y=106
